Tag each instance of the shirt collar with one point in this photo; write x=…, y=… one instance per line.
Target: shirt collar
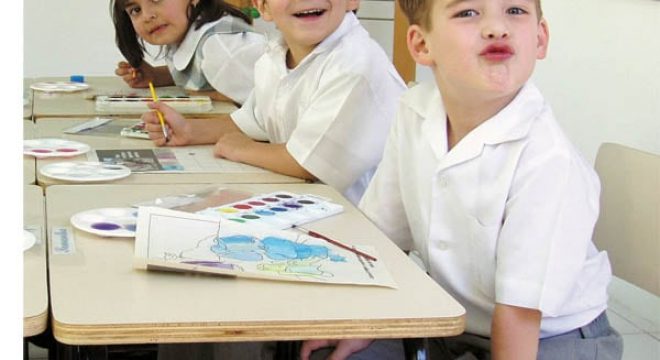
x=511, y=123
x=183, y=53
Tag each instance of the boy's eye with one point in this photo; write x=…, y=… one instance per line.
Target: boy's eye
x=466, y=13
x=516, y=11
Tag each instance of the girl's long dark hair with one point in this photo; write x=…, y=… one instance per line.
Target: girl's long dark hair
x=127, y=39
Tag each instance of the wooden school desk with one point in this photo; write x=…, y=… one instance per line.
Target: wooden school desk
x=35, y=287
x=29, y=162
x=53, y=128
x=97, y=297
x=81, y=103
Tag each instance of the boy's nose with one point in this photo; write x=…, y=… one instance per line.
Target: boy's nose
x=495, y=31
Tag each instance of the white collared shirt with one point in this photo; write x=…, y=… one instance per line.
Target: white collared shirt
x=333, y=110
x=505, y=217
x=227, y=58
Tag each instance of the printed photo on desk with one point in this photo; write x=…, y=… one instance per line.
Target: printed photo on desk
x=190, y=159
x=180, y=241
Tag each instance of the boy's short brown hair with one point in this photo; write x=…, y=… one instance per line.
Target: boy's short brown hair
x=418, y=12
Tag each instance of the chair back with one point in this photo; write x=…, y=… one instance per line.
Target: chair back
x=629, y=224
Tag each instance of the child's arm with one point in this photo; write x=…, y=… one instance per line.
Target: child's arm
x=140, y=77
x=185, y=131
x=515, y=332
x=237, y=146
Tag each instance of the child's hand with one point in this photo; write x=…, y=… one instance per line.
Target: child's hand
x=343, y=348
x=230, y=145
x=178, y=129
x=137, y=77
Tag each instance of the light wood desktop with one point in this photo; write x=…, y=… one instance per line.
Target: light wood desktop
x=97, y=297
x=29, y=162
x=35, y=287
x=81, y=103
x=53, y=128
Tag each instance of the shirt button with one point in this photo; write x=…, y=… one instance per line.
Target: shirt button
x=443, y=181
x=443, y=246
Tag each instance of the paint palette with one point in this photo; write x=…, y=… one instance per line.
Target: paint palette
x=59, y=86
x=134, y=104
x=28, y=240
x=85, y=171
x=43, y=148
x=280, y=210
x=107, y=222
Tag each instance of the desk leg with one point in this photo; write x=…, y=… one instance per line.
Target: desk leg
x=74, y=352
x=67, y=352
x=416, y=349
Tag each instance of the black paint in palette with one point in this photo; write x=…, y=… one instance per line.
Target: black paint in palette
x=281, y=210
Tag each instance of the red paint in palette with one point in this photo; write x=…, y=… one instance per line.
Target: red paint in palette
x=66, y=150
x=242, y=207
x=41, y=151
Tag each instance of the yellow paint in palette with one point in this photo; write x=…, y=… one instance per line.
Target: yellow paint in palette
x=280, y=210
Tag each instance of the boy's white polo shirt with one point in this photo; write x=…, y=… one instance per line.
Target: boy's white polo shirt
x=333, y=110
x=228, y=58
x=506, y=216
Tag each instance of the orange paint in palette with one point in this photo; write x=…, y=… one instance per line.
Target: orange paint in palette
x=281, y=210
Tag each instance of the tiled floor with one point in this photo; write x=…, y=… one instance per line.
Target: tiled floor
x=635, y=313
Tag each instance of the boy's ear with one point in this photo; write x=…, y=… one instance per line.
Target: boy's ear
x=417, y=46
x=543, y=39
x=263, y=9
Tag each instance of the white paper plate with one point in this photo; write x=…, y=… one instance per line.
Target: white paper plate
x=109, y=222
x=28, y=240
x=59, y=86
x=52, y=147
x=85, y=171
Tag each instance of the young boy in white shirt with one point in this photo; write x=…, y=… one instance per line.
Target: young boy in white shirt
x=479, y=181
x=324, y=98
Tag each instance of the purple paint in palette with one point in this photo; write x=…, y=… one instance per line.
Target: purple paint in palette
x=280, y=210
x=114, y=222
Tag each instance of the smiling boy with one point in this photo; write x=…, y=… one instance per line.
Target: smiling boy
x=324, y=97
x=480, y=183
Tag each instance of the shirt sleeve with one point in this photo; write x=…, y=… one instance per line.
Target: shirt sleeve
x=543, y=245
x=340, y=136
x=246, y=119
x=228, y=62
x=382, y=202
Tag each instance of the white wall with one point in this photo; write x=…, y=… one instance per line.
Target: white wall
x=602, y=73
x=67, y=37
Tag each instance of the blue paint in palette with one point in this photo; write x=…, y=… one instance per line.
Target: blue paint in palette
x=280, y=210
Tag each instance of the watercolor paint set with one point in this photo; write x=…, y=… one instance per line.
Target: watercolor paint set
x=122, y=104
x=280, y=210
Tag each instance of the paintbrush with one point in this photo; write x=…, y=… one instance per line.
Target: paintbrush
x=336, y=243
x=160, y=115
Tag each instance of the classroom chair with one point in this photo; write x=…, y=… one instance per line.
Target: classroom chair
x=629, y=224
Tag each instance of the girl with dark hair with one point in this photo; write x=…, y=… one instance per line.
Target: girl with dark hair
x=206, y=44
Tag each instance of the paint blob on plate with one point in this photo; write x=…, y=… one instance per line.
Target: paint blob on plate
x=51, y=147
x=107, y=222
x=59, y=86
x=28, y=240
x=85, y=171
